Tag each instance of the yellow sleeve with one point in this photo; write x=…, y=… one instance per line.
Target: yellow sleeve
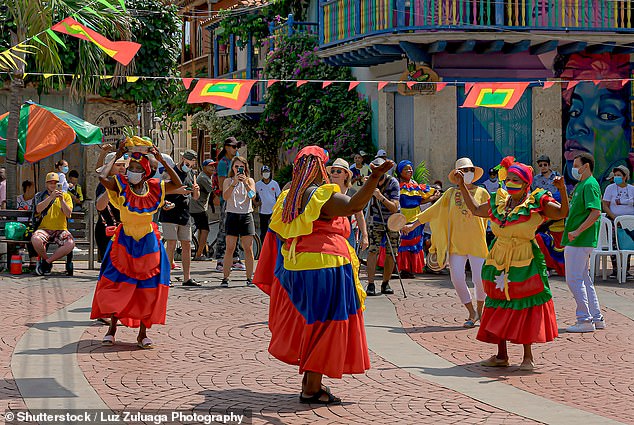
x=302, y=224
x=439, y=207
x=68, y=200
x=80, y=194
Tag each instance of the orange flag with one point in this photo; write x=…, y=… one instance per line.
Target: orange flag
x=228, y=93
x=121, y=51
x=494, y=95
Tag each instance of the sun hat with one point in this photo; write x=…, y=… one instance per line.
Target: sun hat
x=340, y=163
x=465, y=163
x=52, y=177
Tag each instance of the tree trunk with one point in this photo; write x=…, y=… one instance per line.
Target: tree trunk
x=12, y=140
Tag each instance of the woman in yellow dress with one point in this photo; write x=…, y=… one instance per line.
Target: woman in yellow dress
x=519, y=306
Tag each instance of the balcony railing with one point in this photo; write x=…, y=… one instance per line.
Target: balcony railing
x=346, y=20
x=290, y=27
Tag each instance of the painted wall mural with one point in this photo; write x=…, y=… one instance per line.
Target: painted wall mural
x=596, y=115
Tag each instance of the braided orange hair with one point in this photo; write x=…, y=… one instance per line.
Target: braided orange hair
x=305, y=170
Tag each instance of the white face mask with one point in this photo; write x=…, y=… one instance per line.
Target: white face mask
x=468, y=177
x=134, y=178
x=266, y=175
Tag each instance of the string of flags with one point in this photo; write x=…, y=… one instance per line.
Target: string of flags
x=233, y=93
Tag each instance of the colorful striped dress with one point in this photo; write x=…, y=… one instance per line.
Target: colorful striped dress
x=311, y=274
x=550, y=244
x=519, y=306
x=135, y=273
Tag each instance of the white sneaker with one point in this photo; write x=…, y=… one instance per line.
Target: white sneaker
x=581, y=327
x=599, y=324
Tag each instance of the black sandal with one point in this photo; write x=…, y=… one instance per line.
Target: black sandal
x=316, y=398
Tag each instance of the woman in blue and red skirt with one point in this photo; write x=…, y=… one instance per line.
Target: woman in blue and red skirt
x=310, y=271
x=135, y=273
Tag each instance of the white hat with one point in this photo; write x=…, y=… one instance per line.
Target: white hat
x=381, y=154
x=340, y=163
x=465, y=163
x=110, y=157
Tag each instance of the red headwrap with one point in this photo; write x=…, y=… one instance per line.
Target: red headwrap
x=523, y=171
x=144, y=161
x=320, y=153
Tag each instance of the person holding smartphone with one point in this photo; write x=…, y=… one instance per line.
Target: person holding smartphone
x=53, y=208
x=238, y=191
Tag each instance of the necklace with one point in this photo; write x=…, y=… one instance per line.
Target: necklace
x=510, y=206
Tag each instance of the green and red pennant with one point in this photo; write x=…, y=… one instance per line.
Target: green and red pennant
x=121, y=51
x=494, y=95
x=228, y=93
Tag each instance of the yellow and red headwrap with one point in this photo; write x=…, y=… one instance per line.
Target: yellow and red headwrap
x=144, y=161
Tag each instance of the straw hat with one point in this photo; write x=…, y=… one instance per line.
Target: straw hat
x=465, y=163
x=340, y=163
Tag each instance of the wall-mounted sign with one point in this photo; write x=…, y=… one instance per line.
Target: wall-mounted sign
x=112, y=124
x=418, y=79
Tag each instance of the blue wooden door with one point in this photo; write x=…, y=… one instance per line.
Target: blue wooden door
x=403, y=128
x=486, y=135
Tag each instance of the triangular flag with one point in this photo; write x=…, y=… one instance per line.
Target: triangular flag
x=353, y=85
x=24, y=75
x=106, y=77
x=270, y=83
x=132, y=79
x=36, y=38
x=228, y=93
x=624, y=82
x=382, y=84
x=301, y=82
x=121, y=51
x=187, y=82
x=549, y=84
x=411, y=84
x=440, y=86
x=596, y=82
x=325, y=84
x=571, y=84
x=46, y=76
x=468, y=87
x=494, y=95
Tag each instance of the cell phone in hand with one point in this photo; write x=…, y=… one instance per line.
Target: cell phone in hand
x=59, y=186
x=240, y=170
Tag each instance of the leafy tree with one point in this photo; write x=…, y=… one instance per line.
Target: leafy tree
x=335, y=117
x=24, y=19
x=157, y=27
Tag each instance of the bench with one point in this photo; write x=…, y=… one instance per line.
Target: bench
x=80, y=225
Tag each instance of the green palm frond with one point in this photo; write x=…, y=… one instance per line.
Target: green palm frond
x=421, y=173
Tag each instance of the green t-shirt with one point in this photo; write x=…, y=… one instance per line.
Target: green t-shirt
x=585, y=197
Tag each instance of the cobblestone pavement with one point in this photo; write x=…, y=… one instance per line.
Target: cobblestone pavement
x=212, y=354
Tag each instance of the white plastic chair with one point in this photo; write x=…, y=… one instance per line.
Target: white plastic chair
x=625, y=222
x=604, y=249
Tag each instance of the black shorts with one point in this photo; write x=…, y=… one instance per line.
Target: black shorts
x=201, y=221
x=239, y=224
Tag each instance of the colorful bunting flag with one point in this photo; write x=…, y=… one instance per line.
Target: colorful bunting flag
x=382, y=84
x=440, y=86
x=121, y=51
x=549, y=84
x=228, y=93
x=494, y=95
x=187, y=82
x=624, y=82
x=301, y=82
x=270, y=83
x=325, y=84
x=353, y=85
x=571, y=84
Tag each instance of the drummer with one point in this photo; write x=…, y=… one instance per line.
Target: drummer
x=384, y=203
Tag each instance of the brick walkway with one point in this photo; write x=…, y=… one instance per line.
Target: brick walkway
x=212, y=354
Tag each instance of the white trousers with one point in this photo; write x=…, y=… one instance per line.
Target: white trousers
x=580, y=283
x=457, y=265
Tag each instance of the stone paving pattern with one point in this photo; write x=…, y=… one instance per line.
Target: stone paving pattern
x=212, y=354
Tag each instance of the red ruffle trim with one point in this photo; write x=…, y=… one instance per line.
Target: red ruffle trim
x=141, y=268
x=413, y=262
x=527, y=326
x=131, y=305
x=332, y=348
x=141, y=204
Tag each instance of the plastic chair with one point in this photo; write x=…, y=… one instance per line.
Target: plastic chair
x=604, y=249
x=624, y=222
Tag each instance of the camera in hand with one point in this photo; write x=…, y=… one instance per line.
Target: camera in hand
x=240, y=170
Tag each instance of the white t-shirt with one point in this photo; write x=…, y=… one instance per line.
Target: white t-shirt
x=22, y=204
x=268, y=195
x=625, y=195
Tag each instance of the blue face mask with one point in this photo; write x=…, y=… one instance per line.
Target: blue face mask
x=575, y=174
x=618, y=179
x=65, y=169
x=185, y=168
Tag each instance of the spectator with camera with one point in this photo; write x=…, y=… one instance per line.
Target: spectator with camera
x=267, y=191
x=53, y=208
x=238, y=191
x=175, y=220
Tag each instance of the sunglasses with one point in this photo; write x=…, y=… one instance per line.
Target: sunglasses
x=543, y=164
x=336, y=171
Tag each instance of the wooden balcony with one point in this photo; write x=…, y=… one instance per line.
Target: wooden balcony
x=367, y=32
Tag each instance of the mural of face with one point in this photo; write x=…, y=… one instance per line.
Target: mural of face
x=597, y=122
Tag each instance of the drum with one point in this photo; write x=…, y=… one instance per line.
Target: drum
x=396, y=222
